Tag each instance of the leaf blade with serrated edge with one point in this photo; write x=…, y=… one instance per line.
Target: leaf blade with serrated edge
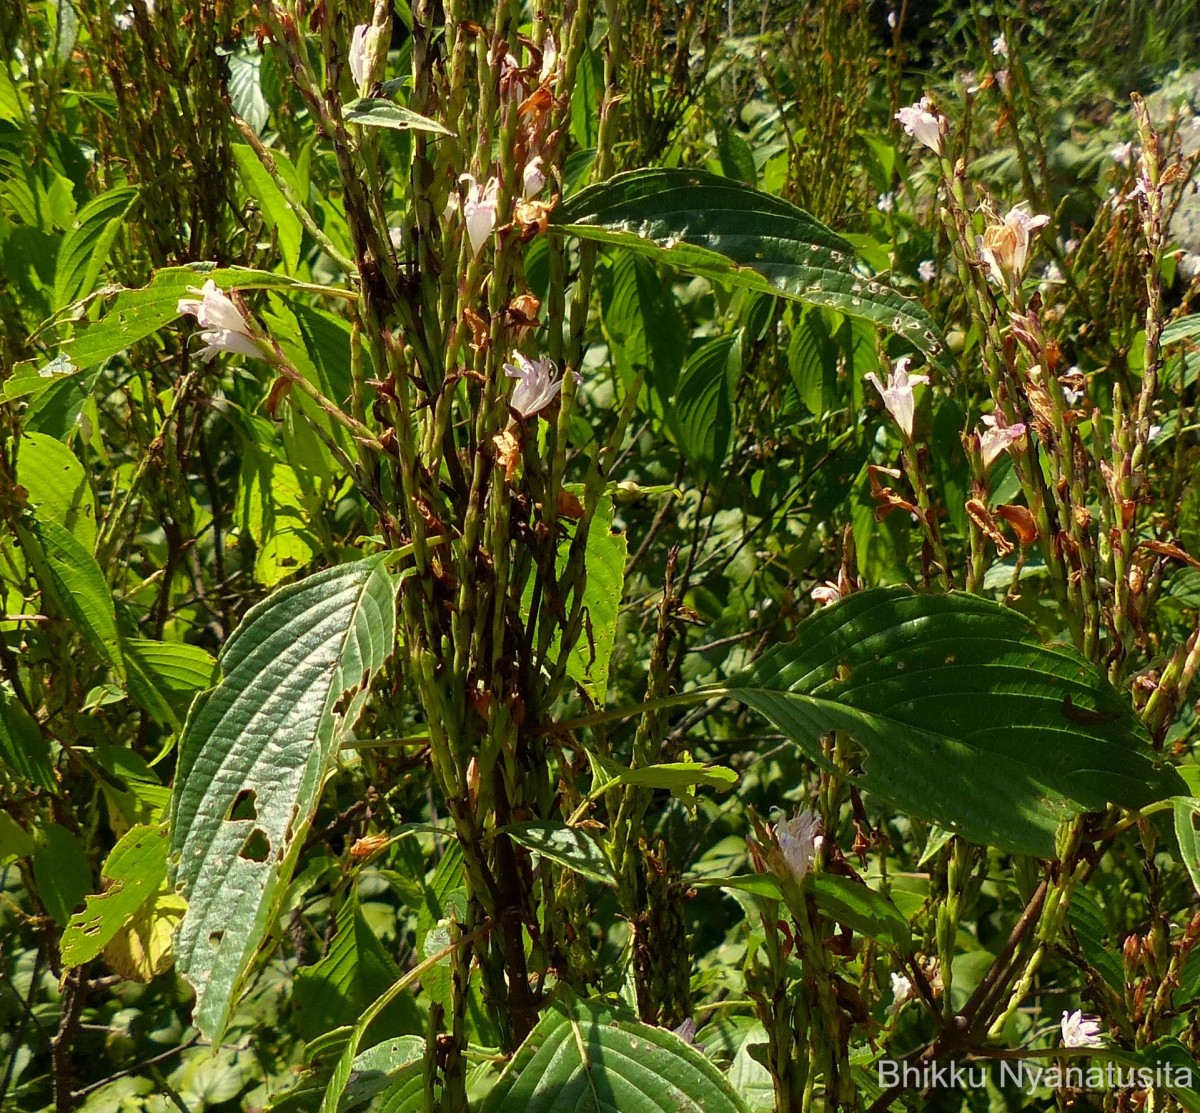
x=252, y=758
x=732, y=233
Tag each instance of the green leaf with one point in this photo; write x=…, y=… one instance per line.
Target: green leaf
x=72, y=577
x=276, y=211
x=726, y=231
x=394, y=1066
x=245, y=85
x=581, y=1058
x=135, y=870
x=23, y=747
x=15, y=841
x=704, y=404
x=812, y=361
x=677, y=777
x=1184, y=328
x=164, y=677
x=253, y=756
x=385, y=114
x=1187, y=811
x=604, y=560
x=60, y=871
x=57, y=486
x=136, y=314
x=858, y=906
x=937, y=689
x=571, y=847
x=843, y=899
x=85, y=247
x=335, y=991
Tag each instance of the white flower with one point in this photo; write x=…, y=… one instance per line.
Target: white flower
x=926, y=271
x=396, y=239
x=358, y=54
x=1153, y=431
x=1002, y=79
x=549, y=58
x=828, y=592
x=536, y=385
x=1189, y=264
x=124, y=20
x=224, y=329
x=891, y=19
x=479, y=210
x=1122, y=154
x=1005, y=246
x=898, y=394
x=1000, y=46
x=533, y=178
x=799, y=840
x=902, y=988
x=997, y=436
x=1072, y=397
x=1079, y=1030
x=886, y=202
x=969, y=80
x=923, y=123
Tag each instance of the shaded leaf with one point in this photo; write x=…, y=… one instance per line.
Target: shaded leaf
x=84, y=249
x=23, y=747
x=571, y=847
x=935, y=688
x=581, y=1058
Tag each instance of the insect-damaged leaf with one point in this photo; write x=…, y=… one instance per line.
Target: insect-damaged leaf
x=252, y=758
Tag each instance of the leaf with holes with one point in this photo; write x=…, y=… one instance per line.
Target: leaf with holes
x=136, y=314
x=581, y=1058
x=134, y=871
x=964, y=716
x=252, y=758
x=732, y=233
x=380, y=113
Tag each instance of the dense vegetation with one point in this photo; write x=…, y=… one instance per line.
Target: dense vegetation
x=599, y=555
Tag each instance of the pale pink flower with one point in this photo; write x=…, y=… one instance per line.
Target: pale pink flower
x=923, y=123
x=825, y=593
x=358, y=54
x=549, y=58
x=224, y=329
x=926, y=271
x=1122, y=154
x=902, y=990
x=1004, y=245
x=533, y=178
x=1003, y=80
x=396, y=239
x=536, y=385
x=997, y=436
x=1000, y=46
x=898, y=394
x=799, y=841
x=1080, y=1031
x=886, y=202
x=479, y=210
